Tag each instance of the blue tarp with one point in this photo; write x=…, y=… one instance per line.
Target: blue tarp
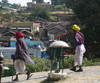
x=29, y=43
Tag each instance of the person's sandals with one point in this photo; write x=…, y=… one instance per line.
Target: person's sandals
x=15, y=79
x=79, y=70
x=28, y=76
x=73, y=69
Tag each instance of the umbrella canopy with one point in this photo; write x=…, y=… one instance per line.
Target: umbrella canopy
x=59, y=44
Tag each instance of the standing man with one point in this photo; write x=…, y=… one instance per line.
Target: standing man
x=21, y=56
x=79, y=48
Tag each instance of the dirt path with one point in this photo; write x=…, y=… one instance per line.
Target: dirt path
x=89, y=75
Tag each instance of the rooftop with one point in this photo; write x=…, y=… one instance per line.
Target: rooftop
x=22, y=24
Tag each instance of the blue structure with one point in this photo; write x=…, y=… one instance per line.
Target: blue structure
x=31, y=44
x=12, y=43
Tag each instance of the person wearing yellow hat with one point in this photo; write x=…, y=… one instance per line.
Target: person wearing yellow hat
x=76, y=27
x=79, y=48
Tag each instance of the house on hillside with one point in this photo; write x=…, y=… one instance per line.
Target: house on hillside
x=29, y=26
x=54, y=29
x=26, y=33
x=3, y=27
x=8, y=33
x=4, y=41
x=19, y=26
x=36, y=26
x=36, y=3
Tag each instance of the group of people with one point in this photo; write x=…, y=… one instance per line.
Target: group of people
x=21, y=55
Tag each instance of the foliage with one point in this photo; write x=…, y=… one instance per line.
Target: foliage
x=9, y=72
x=89, y=15
x=93, y=62
x=8, y=17
x=69, y=62
x=42, y=64
x=59, y=7
x=15, y=6
x=53, y=18
x=57, y=2
x=4, y=3
x=39, y=12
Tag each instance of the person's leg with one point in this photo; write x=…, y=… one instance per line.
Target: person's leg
x=75, y=62
x=16, y=78
x=22, y=69
x=16, y=68
x=80, y=59
x=28, y=75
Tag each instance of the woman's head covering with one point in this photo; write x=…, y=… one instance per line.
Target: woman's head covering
x=19, y=35
x=76, y=27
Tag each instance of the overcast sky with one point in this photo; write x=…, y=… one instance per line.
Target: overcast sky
x=23, y=2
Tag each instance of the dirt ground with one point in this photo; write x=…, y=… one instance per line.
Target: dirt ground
x=90, y=74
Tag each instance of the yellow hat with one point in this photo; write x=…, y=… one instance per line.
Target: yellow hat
x=75, y=27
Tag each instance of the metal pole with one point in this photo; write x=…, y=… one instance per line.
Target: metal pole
x=0, y=72
x=62, y=59
x=13, y=70
x=51, y=66
x=12, y=57
x=62, y=64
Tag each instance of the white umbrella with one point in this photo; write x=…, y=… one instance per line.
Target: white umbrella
x=59, y=44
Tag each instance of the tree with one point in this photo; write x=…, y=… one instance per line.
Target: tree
x=4, y=3
x=16, y=6
x=39, y=12
x=57, y=2
x=8, y=17
x=88, y=13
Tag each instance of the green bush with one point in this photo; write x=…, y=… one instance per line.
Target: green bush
x=69, y=62
x=53, y=18
x=9, y=72
x=40, y=64
x=93, y=62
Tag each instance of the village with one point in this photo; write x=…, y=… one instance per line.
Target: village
x=47, y=29
x=37, y=31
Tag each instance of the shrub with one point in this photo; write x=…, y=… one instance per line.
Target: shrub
x=69, y=62
x=93, y=62
x=40, y=64
x=9, y=72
